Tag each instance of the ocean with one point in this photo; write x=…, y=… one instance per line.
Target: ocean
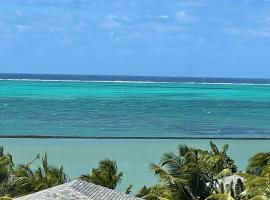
x=123, y=106
x=130, y=107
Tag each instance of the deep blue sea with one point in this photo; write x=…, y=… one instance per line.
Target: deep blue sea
x=81, y=105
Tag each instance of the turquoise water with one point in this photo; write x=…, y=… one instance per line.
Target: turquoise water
x=133, y=108
x=105, y=106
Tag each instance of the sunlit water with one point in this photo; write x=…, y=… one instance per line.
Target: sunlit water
x=139, y=106
x=134, y=108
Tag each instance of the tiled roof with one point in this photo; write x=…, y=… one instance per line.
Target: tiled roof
x=78, y=190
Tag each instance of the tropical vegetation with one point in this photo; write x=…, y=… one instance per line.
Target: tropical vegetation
x=106, y=174
x=188, y=174
x=195, y=174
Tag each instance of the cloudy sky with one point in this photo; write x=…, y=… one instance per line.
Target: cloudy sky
x=220, y=38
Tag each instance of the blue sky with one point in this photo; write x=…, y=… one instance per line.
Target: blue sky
x=220, y=38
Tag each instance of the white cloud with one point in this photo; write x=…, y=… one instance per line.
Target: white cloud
x=111, y=22
x=163, y=16
x=22, y=28
x=261, y=32
x=182, y=16
x=192, y=3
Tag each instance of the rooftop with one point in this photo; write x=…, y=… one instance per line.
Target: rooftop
x=78, y=190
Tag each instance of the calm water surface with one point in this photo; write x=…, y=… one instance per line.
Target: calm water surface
x=86, y=108
x=68, y=105
x=133, y=156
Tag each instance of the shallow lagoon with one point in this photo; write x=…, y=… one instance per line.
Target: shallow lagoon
x=133, y=156
x=133, y=109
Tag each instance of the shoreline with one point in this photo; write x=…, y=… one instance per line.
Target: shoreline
x=129, y=137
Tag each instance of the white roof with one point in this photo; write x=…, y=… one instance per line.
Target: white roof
x=78, y=190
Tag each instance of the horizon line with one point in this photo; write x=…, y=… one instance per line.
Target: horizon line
x=158, y=76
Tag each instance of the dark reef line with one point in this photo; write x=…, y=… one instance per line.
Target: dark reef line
x=131, y=137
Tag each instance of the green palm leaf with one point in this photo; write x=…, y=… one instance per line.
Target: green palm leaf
x=220, y=197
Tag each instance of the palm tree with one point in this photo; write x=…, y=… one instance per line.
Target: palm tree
x=220, y=197
x=5, y=198
x=27, y=180
x=181, y=174
x=258, y=162
x=256, y=187
x=143, y=192
x=257, y=178
x=157, y=192
x=217, y=163
x=231, y=191
x=193, y=173
x=106, y=174
x=6, y=165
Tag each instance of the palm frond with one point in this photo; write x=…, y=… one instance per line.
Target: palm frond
x=220, y=197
